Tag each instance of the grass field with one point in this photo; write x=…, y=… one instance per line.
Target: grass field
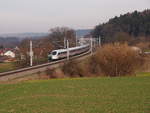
x=83, y=95
x=6, y=67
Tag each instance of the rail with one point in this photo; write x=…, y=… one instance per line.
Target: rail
x=40, y=66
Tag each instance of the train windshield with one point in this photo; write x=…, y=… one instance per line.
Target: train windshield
x=54, y=53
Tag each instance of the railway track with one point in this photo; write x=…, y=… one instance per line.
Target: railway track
x=6, y=76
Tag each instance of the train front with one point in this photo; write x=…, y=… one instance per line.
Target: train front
x=53, y=55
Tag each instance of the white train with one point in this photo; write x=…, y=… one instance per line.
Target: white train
x=62, y=53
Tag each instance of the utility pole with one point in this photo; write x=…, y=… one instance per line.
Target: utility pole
x=67, y=50
x=76, y=41
x=65, y=42
x=99, y=41
x=94, y=43
x=91, y=46
x=31, y=54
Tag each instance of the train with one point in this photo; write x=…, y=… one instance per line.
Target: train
x=62, y=53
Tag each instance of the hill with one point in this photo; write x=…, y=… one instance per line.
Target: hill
x=23, y=35
x=135, y=24
x=94, y=95
x=83, y=32
x=10, y=42
x=79, y=33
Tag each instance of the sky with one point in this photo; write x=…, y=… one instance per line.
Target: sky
x=17, y=16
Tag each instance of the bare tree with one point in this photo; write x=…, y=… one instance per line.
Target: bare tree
x=41, y=48
x=58, y=34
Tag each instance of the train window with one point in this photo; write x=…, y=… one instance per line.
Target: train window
x=54, y=53
x=62, y=53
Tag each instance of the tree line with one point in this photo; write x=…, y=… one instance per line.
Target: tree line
x=135, y=24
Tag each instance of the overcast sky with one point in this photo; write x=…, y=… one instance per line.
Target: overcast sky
x=40, y=15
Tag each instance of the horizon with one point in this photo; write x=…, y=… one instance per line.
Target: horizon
x=30, y=16
x=21, y=33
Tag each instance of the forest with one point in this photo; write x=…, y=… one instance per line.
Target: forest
x=135, y=24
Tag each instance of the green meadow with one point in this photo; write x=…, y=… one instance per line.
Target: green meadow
x=79, y=95
x=7, y=66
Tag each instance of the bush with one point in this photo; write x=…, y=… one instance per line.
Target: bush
x=70, y=68
x=144, y=45
x=50, y=73
x=118, y=60
x=146, y=67
x=85, y=68
x=75, y=68
x=54, y=73
x=110, y=60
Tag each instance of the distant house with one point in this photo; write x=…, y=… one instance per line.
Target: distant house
x=4, y=59
x=10, y=53
x=1, y=53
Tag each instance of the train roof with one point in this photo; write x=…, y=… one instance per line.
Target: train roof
x=72, y=48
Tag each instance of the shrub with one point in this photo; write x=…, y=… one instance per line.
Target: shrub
x=75, y=68
x=118, y=59
x=51, y=73
x=84, y=68
x=94, y=67
x=110, y=60
x=144, y=45
x=70, y=68
x=146, y=67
